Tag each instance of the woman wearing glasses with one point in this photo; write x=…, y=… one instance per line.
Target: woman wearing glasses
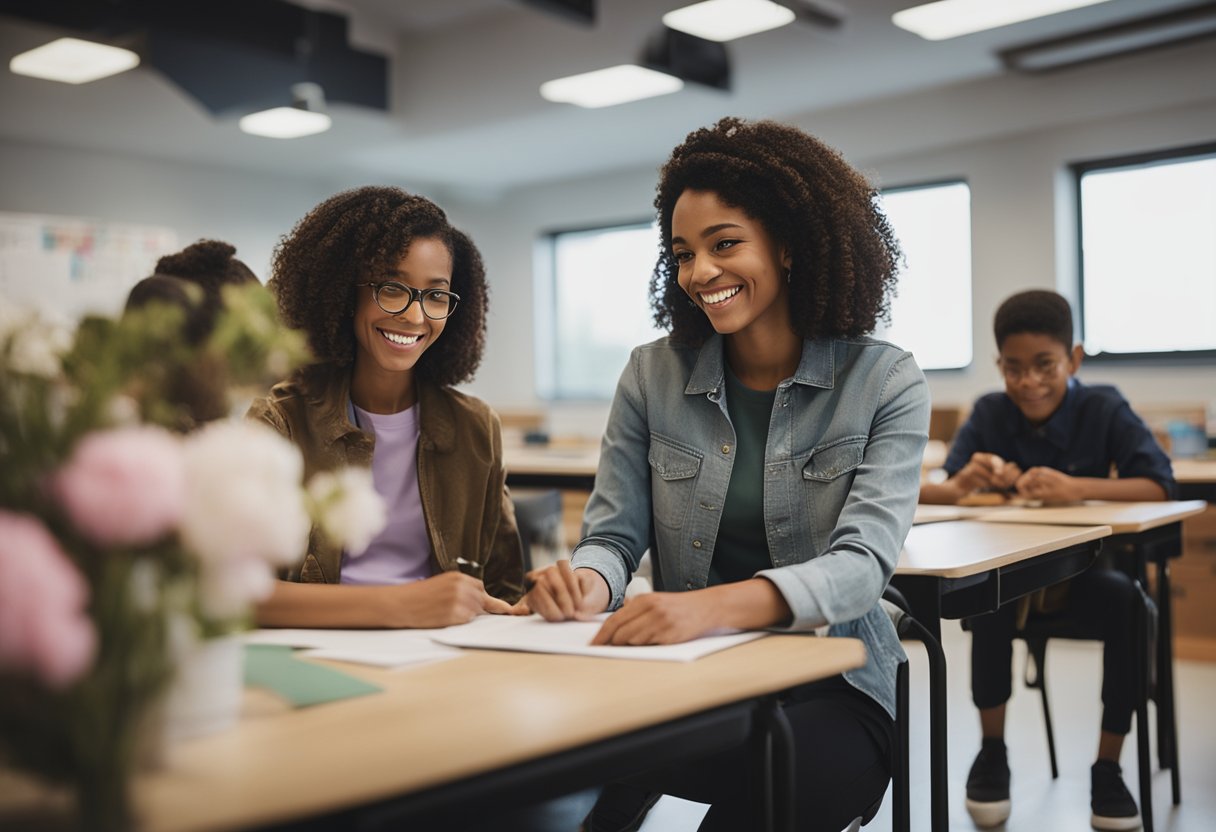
x=393, y=300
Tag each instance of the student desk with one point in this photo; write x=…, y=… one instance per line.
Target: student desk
x=488, y=728
x=954, y=568
x=1147, y=533
x=552, y=466
x=1196, y=478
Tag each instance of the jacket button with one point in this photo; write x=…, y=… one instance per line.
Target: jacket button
x=696, y=544
x=726, y=449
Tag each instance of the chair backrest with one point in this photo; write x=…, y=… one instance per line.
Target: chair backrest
x=539, y=518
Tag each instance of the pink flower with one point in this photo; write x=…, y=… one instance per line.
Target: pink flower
x=43, y=625
x=125, y=486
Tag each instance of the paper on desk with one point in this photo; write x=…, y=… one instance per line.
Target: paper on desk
x=535, y=635
x=382, y=648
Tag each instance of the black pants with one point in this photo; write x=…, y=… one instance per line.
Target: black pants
x=842, y=742
x=1103, y=599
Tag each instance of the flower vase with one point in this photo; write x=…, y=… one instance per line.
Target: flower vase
x=207, y=689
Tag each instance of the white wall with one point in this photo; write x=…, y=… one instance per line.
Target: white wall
x=1011, y=138
x=197, y=201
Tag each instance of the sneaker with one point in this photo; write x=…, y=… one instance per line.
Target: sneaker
x=1112, y=804
x=621, y=807
x=988, y=785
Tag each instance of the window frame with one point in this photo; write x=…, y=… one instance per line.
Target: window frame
x=545, y=309
x=938, y=183
x=1161, y=358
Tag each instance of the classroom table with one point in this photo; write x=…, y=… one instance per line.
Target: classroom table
x=1143, y=533
x=561, y=466
x=487, y=728
x=1196, y=478
x=955, y=568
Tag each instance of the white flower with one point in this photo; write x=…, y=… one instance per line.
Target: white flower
x=244, y=500
x=226, y=590
x=347, y=508
x=34, y=343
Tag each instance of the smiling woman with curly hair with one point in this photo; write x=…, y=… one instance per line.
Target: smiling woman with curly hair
x=767, y=453
x=393, y=300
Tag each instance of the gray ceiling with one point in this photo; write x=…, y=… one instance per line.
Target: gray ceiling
x=464, y=110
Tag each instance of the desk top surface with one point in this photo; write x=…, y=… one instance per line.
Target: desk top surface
x=432, y=725
x=968, y=547
x=1123, y=518
x=1194, y=470
x=574, y=460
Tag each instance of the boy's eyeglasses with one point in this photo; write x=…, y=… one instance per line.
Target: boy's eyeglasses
x=1041, y=370
x=394, y=298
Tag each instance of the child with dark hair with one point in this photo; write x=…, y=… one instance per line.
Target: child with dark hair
x=393, y=301
x=767, y=453
x=192, y=280
x=1049, y=437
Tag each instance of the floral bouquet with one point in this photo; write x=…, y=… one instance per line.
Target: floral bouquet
x=129, y=530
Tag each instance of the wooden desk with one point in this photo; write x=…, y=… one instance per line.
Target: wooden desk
x=552, y=466
x=1123, y=518
x=489, y=728
x=1196, y=479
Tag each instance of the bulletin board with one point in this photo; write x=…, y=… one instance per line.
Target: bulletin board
x=72, y=266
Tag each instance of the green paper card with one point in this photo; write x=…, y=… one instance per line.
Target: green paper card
x=301, y=683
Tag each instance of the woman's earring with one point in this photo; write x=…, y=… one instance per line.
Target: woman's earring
x=788, y=271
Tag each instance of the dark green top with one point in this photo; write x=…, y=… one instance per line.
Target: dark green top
x=742, y=548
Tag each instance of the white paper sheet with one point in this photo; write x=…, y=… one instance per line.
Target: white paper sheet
x=535, y=635
x=382, y=648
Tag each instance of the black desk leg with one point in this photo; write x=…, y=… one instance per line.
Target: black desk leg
x=1167, y=727
x=775, y=750
x=924, y=595
x=1142, y=741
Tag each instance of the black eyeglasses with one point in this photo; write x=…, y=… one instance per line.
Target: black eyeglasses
x=394, y=298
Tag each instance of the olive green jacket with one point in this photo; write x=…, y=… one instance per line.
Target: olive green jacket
x=461, y=479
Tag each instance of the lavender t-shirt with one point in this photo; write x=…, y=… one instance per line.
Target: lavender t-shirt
x=402, y=552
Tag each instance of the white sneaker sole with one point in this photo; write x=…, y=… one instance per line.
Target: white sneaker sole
x=1114, y=824
x=993, y=813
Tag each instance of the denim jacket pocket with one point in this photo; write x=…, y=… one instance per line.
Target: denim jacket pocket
x=673, y=478
x=831, y=461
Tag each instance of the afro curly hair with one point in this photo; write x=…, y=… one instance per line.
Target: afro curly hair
x=1040, y=311
x=845, y=256
x=358, y=236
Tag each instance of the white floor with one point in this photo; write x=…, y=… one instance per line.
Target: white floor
x=1039, y=803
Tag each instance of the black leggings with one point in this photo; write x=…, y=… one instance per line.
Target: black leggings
x=842, y=750
x=1103, y=598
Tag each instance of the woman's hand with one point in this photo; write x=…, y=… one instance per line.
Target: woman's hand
x=440, y=601
x=660, y=618
x=559, y=593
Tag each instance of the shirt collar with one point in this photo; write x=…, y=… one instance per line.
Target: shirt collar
x=816, y=368
x=1060, y=428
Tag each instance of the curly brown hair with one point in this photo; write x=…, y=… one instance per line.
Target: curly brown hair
x=358, y=236
x=209, y=263
x=844, y=253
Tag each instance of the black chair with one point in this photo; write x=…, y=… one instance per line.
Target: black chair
x=909, y=628
x=1041, y=628
x=539, y=518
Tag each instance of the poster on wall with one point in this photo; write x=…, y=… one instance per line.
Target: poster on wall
x=68, y=267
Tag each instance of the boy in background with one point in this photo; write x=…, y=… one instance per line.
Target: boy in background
x=1049, y=437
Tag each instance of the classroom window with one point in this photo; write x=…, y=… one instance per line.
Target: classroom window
x=933, y=224
x=1148, y=255
x=596, y=305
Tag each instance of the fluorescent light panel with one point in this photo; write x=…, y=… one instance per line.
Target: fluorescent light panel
x=611, y=86
x=723, y=20
x=73, y=61
x=285, y=123
x=952, y=18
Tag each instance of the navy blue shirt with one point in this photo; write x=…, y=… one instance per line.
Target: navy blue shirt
x=1093, y=429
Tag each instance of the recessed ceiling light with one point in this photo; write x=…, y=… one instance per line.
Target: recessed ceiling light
x=723, y=20
x=73, y=61
x=606, y=87
x=952, y=18
x=285, y=123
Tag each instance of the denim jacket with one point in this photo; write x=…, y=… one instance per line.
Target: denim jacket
x=841, y=479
